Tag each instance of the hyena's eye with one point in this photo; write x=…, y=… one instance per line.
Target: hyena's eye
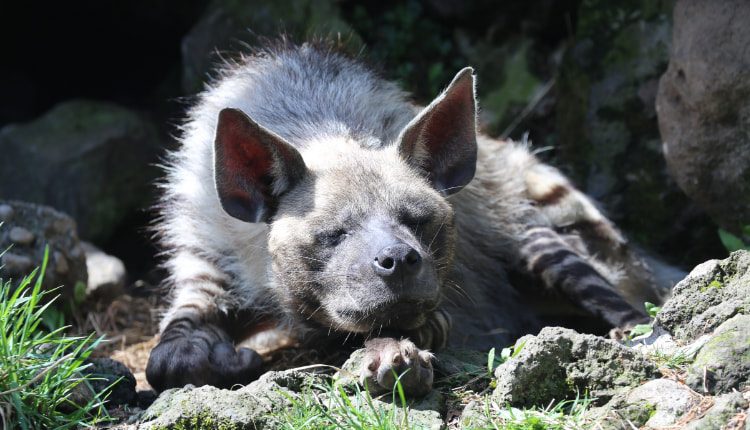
x=414, y=222
x=330, y=238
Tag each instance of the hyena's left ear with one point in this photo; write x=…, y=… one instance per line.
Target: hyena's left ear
x=252, y=166
x=442, y=139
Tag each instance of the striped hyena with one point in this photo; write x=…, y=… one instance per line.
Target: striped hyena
x=310, y=199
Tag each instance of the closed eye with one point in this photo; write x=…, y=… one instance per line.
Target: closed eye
x=330, y=238
x=414, y=222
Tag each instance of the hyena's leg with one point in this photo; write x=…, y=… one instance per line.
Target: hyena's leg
x=562, y=268
x=195, y=346
x=387, y=358
x=574, y=215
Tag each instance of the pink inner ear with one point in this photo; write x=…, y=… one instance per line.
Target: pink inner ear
x=242, y=167
x=244, y=158
x=253, y=166
x=454, y=118
x=442, y=139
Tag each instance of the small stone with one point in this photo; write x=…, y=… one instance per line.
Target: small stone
x=15, y=262
x=669, y=398
x=62, y=263
x=6, y=213
x=21, y=236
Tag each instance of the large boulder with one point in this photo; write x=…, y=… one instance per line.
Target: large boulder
x=91, y=160
x=703, y=106
x=609, y=139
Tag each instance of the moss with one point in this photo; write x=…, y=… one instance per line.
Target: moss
x=714, y=284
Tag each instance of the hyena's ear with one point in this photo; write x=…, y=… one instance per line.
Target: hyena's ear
x=442, y=139
x=252, y=167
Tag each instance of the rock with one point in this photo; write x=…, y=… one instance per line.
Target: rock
x=30, y=228
x=609, y=140
x=21, y=236
x=92, y=160
x=724, y=408
x=723, y=363
x=208, y=407
x=112, y=379
x=668, y=400
x=559, y=364
x=711, y=294
x=227, y=21
x=263, y=403
x=703, y=107
x=106, y=274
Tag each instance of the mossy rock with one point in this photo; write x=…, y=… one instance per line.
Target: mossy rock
x=723, y=363
x=560, y=364
x=711, y=294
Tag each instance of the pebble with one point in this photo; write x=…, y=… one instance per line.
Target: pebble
x=6, y=213
x=61, y=263
x=21, y=236
x=17, y=262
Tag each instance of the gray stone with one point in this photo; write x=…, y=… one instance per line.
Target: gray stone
x=31, y=230
x=559, y=363
x=91, y=160
x=262, y=404
x=703, y=107
x=106, y=274
x=670, y=399
x=723, y=363
x=21, y=236
x=6, y=213
x=711, y=294
x=724, y=408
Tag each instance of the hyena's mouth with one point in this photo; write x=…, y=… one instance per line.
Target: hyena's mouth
x=400, y=316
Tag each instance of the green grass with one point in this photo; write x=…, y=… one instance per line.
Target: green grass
x=331, y=407
x=40, y=368
x=678, y=361
x=564, y=415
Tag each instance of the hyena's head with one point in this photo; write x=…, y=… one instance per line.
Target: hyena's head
x=360, y=239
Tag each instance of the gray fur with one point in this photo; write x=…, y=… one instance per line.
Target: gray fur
x=372, y=168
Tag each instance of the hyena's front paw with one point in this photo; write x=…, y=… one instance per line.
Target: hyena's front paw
x=181, y=361
x=384, y=356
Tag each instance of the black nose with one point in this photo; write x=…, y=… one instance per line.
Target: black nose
x=397, y=259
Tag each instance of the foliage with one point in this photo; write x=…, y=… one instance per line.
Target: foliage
x=644, y=329
x=40, y=368
x=418, y=51
x=565, y=415
x=505, y=355
x=733, y=243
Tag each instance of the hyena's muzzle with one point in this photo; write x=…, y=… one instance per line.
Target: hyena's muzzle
x=391, y=283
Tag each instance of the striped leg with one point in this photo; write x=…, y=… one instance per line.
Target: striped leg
x=195, y=352
x=562, y=268
x=196, y=346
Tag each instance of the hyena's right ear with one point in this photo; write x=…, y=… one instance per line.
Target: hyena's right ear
x=252, y=166
x=442, y=140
